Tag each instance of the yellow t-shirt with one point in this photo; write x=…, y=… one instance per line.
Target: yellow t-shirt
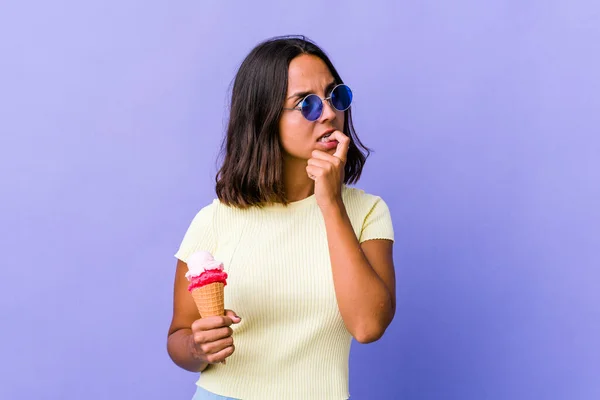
x=291, y=342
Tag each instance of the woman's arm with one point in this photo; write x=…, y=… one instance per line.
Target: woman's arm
x=180, y=341
x=363, y=276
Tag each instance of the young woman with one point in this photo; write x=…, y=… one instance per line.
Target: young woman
x=309, y=258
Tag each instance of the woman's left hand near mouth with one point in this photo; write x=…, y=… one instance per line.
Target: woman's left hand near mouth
x=328, y=172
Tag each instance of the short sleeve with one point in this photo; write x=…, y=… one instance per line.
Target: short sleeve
x=200, y=235
x=378, y=223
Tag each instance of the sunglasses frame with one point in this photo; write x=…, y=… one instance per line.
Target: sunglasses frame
x=326, y=99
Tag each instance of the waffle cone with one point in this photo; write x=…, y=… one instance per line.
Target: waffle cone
x=210, y=299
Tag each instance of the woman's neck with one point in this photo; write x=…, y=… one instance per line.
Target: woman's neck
x=298, y=185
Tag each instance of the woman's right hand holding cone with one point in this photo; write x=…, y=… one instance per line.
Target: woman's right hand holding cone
x=212, y=340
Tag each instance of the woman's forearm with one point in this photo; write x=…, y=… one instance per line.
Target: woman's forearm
x=180, y=348
x=365, y=302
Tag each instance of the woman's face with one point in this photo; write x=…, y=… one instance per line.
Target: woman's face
x=299, y=137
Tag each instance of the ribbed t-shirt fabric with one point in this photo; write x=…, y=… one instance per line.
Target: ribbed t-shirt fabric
x=292, y=342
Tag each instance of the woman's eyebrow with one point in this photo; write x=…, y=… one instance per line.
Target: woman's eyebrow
x=330, y=87
x=306, y=93
x=298, y=94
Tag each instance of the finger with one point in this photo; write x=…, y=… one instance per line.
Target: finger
x=221, y=355
x=341, y=151
x=212, y=335
x=319, y=163
x=233, y=315
x=327, y=158
x=208, y=323
x=321, y=155
x=314, y=172
x=215, y=347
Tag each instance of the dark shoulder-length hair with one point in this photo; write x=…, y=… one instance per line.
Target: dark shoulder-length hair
x=252, y=169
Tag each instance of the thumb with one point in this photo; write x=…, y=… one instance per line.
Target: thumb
x=234, y=317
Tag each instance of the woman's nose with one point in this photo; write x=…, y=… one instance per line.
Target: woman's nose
x=329, y=113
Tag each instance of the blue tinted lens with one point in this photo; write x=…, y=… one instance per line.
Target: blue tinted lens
x=341, y=97
x=312, y=107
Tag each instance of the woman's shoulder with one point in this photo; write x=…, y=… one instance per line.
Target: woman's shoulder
x=204, y=214
x=360, y=204
x=207, y=209
x=359, y=196
x=210, y=213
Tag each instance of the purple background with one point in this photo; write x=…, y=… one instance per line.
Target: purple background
x=485, y=118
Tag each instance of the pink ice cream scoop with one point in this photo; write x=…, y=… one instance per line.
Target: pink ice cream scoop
x=203, y=270
x=207, y=280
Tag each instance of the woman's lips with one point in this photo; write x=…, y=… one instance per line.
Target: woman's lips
x=328, y=145
x=326, y=134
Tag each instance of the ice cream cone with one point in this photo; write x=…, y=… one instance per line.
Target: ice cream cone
x=209, y=299
x=207, y=281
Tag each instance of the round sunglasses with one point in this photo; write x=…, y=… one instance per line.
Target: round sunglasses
x=311, y=106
